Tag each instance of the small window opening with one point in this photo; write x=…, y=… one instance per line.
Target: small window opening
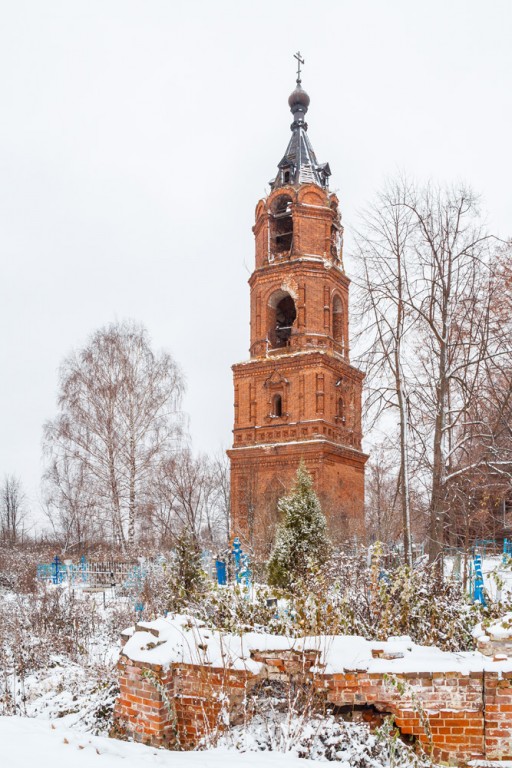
x=277, y=406
x=341, y=409
x=282, y=224
x=287, y=177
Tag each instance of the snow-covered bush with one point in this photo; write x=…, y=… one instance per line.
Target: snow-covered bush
x=325, y=739
x=18, y=565
x=352, y=597
x=283, y=718
x=38, y=627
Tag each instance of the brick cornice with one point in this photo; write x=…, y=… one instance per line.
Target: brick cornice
x=305, y=265
x=266, y=452
x=298, y=361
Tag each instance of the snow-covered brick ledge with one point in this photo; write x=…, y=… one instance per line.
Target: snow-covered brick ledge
x=181, y=681
x=495, y=639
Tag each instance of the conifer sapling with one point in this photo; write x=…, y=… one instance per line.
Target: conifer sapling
x=302, y=543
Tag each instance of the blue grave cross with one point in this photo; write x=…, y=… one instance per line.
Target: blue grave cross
x=245, y=571
x=57, y=574
x=220, y=567
x=478, y=591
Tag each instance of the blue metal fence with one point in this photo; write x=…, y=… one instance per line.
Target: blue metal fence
x=131, y=576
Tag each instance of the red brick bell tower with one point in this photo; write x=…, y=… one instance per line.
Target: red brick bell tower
x=297, y=397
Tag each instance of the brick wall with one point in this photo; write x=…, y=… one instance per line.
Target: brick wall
x=498, y=715
x=176, y=707
x=454, y=716
x=443, y=710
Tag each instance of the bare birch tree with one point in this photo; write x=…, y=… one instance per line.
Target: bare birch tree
x=383, y=244
x=12, y=511
x=70, y=503
x=118, y=417
x=382, y=493
x=480, y=477
x=451, y=299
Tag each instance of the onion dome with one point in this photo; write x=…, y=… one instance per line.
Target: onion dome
x=299, y=98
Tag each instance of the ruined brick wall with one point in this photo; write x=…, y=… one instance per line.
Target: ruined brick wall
x=140, y=710
x=455, y=716
x=176, y=707
x=498, y=715
x=443, y=710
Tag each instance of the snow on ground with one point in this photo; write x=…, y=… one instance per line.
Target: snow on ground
x=496, y=573
x=27, y=742
x=76, y=696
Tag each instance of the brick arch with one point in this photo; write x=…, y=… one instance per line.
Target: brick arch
x=290, y=192
x=311, y=195
x=260, y=209
x=312, y=198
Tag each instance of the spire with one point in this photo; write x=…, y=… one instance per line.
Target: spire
x=299, y=164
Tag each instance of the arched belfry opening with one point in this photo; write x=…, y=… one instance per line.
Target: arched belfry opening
x=282, y=316
x=338, y=320
x=281, y=225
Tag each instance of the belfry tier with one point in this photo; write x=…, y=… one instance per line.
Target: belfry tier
x=299, y=291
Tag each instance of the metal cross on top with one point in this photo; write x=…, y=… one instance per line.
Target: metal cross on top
x=300, y=61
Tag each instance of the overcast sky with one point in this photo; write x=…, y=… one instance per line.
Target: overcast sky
x=137, y=136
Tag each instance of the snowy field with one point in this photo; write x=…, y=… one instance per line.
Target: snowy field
x=27, y=742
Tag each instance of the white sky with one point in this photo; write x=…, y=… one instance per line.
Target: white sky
x=137, y=136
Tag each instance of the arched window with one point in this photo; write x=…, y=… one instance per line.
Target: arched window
x=277, y=406
x=285, y=318
x=281, y=225
x=282, y=315
x=337, y=320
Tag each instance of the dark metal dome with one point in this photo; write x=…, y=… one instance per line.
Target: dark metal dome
x=299, y=99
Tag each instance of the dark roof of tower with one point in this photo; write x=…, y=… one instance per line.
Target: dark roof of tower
x=299, y=164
